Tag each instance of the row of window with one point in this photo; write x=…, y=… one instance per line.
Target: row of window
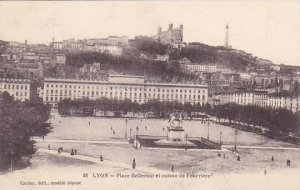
x=14, y=86
x=125, y=88
x=135, y=95
x=16, y=94
x=66, y=92
x=51, y=99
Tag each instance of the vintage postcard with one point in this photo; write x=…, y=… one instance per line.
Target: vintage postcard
x=150, y=95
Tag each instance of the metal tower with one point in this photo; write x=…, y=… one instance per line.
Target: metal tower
x=226, y=37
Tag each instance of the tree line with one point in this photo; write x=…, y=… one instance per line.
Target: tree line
x=161, y=109
x=19, y=121
x=276, y=120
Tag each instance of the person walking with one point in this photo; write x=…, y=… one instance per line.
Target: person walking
x=172, y=168
x=265, y=172
x=75, y=151
x=101, y=158
x=133, y=164
x=272, y=159
x=48, y=146
x=238, y=158
x=72, y=152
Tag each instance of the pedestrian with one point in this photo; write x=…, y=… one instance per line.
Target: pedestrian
x=75, y=151
x=48, y=146
x=288, y=162
x=58, y=150
x=133, y=164
x=163, y=129
x=114, y=132
x=265, y=172
x=272, y=159
x=219, y=154
x=43, y=137
x=172, y=168
x=72, y=152
x=89, y=123
x=223, y=155
x=238, y=158
x=101, y=158
x=111, y=128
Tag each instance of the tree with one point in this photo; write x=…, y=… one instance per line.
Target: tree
x=18, y=122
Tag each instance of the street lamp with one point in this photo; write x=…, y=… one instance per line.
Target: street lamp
x=207, y=130
x=235, y=136
x=130, y=133
x=221, y=138
x=137, y=130
x=186, y=136
x=11, y=160
x=126, y=129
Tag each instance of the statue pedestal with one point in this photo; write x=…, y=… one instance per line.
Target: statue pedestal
x=176, y=134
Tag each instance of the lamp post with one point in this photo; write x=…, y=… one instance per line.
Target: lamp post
x=137, y=130
x=130, y=133
x=126, y=121
x=11, y=160
x=186, y=136
x=235, y=137
x=207, y=130
x=221, y=138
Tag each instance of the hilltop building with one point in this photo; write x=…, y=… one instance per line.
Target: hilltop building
x=172, y=36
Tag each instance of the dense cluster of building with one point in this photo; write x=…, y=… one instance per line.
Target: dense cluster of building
x=111, y=44
x=260, y=85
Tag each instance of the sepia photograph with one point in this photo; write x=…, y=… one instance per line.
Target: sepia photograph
x=150, y=95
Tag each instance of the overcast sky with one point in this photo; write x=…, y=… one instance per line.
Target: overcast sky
x=268, y=29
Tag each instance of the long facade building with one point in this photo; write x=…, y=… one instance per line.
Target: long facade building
x=259, y=99
x=123, y=87
x=19, y=88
